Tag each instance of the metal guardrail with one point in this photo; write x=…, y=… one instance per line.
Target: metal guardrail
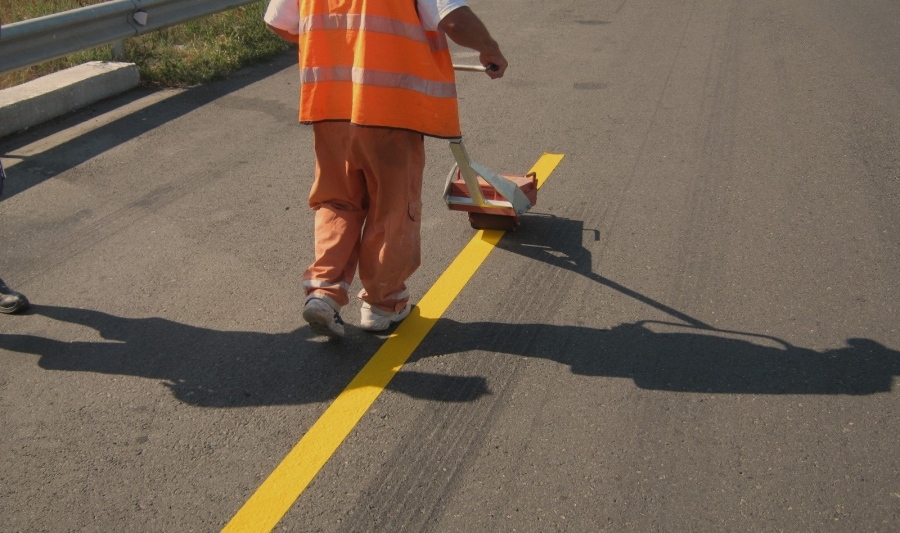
x=34, y=41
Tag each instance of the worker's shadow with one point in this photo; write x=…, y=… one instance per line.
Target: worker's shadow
x=213, y=368
x=683, y=354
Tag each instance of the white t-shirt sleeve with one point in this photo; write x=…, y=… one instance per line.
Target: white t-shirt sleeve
x=432, y=11
x=284, y=15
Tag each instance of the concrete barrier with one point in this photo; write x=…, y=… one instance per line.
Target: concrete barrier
x=54, y=95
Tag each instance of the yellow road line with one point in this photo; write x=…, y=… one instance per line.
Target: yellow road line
x=280, y=490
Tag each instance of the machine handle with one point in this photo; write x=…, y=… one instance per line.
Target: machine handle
x=477, y=68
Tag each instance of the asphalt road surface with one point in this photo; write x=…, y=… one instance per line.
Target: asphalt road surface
x=695, y=329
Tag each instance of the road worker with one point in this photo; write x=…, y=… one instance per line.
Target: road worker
x=376, y=76
x=10, y=300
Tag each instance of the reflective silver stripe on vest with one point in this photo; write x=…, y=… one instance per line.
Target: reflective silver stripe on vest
x=436, y=40
x=377, y=78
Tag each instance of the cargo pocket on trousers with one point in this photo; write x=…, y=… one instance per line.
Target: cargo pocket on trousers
x=415, y=210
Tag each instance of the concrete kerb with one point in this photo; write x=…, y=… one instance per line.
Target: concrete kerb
x=54, y=95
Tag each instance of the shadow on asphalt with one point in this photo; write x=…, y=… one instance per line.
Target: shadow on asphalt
x=35, y=170
x=703, y=362
x=212, y=368
x=687, y=355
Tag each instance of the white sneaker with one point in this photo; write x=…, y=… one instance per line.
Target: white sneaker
x=322, y=318
x=375, y=319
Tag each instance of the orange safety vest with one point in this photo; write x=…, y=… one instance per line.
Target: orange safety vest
x=372, y=62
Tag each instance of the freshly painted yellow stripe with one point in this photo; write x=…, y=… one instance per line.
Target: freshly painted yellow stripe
x=284, y=485
x=545, y=166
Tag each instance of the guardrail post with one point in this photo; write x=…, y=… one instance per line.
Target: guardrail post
x=118, y=50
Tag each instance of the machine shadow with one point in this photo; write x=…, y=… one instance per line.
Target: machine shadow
x=34, y=170
x=698, y=361
x=211, y=368
x=685, y=355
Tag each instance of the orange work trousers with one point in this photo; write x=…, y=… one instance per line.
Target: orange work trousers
x=367, y=195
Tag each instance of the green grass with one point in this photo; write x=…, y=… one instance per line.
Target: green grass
x=188, y=54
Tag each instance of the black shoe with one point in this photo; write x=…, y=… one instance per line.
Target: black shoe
x=11, y=301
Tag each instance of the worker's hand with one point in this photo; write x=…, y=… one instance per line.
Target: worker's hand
x=464, y=28
x=495, y=64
